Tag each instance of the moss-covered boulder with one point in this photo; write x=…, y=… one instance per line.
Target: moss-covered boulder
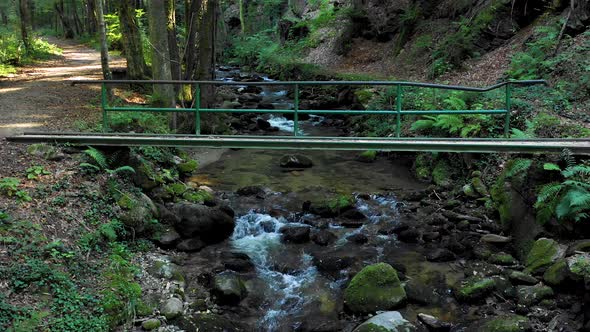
x=137, y=211
x=479, y=186
x=368, y=156
x=391, y=321
x=529, y=295
x=543, y=253
x=474, y=289
x=376, y=287
x=502, y=259
x=151, y=324
x=442, y=174
x=423, y=167
x=521, y=278
x=557, y=273
x=579, y=265
x=44, y=151
x=508, y=323
x=229, y=288
x=188, y=167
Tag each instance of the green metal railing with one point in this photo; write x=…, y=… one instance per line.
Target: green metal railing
x=398, y=112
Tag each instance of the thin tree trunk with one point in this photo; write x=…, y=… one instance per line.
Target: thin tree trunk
x=25, y=23
x=163, y=94
x=242, y=18
x=175, y=65
x=91, y=20
x=136, y=66
x=206, y=64
x=65, y=22
x=104, y=47
x=4, y=16
x=191, y=43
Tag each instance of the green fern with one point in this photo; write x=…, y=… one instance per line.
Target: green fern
x=102, y=163
x=518, y=166
x=98, y=157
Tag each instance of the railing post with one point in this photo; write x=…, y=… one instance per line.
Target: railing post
x=104, y=105
x=198, y=109
x=508, y=109
x=399, y=97
x=296, y=109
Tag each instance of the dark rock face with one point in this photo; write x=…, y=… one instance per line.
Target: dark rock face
x=210, y=224
x=168, y=239
x=229, y=288
x=440, y=255
x=295, y=161
x=323, y=237
x=358, y=238
x=238, y=262
x=295, y=234
x=191, y=245
x=257, y=191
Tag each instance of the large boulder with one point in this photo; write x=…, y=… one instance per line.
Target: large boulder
x=543, y=254
x=530, y=295
x=137, y=211
x=229, y=288
x=390, y=321
x=295, y=161
x=295, y=234
x=210, y=224
x=376, y=287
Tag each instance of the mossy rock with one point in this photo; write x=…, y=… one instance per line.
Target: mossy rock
x=479, y=186
x=44, y=151
x=151, y=324
x=502, y=259
x=469, y=191
x=176, y=189
x=390, y=321
x=509, y=323
x=442, y=174
x=127, y=201
x=543, y=253
x=530, y=295
x=423, y=167
x=197, y=196
x=474, y=289
x=376, y=287
x=557, y=273
x=368, y=156
x=188, y=167
x=579, y=265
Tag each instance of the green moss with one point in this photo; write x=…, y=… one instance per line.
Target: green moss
x=479, y=186
x=579, y=265
x=151, y=324
x=502, y=259
x=541, y=255
x=340, y=202
x=376, y=287
x=515, y=171
x=176, y=189
x=474, y=289
x=372, y=328
x=367, y=156
x=127, y=201
x=556, y=273
x=511, y=323
x=441, y=174
x=199, y=196
x=142, y=309
x=188, y=167
x=423, y=166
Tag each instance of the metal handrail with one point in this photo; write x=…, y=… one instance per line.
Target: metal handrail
x=398, y=112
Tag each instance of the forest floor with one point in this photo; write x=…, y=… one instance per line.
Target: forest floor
x=41, y=97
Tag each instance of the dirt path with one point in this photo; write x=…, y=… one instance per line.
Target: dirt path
x=40, y=97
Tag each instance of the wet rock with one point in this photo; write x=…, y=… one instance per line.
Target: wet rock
x=358, y=238
x=210, y=322
x=295, y=161
x=188, y=167
x=411, y=235
x=579, y=266
x=390, y=321
x=257, y=191
x=434, y=324
x=333, y=262
x=168, y=239
x=151, y=324
x=529, y=295
x=237, y=261
x=191, y=245
x=295, y=234
x=579, y=246
x=474, y=289
x=321, y=314
x=229, y=288
x=323, y=237
x=507, y=323
x=211, y=224
x=137, y=211
x=353, y=214
x=521, y=278
x=263, y=124
x=247, y=98
x=557, y=273
x=172, y=308
x=543, y=253
x=376, y=287
x=420, y=293
x=502, y=258
x=440, y=255
x=495, y=239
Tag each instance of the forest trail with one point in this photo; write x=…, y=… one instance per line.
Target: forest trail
x=41, y=98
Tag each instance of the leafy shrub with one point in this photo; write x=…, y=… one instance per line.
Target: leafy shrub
x=566, y=200
x=534, y=62
x=13, y=52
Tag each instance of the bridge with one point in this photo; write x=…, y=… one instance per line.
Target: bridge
x=299, y=142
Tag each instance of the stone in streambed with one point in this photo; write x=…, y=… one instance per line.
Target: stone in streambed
x=376, y=287
x=390, y=321
x=168, y=239
x=474, y=289
x=295, y=234
x=172, y=308
x=191, y=245
x=529, y=295
x=229, y=288
x=211, y=224
x=323, y=237
x=440, y=255
x=495, y=239
x=557, y=273
x=151, y=324
x=507, y=323
x=358, y=238
x=521, y=278
x=295, y=161
x=543, y=253
x=502, y=258
x=434, y=324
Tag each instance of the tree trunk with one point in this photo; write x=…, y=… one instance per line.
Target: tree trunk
x=91, y=19
x=163, y=94
x=242, y=17
x=175, y=65
x=104, y=47
x=136, y=66
x=191, y=43
x=65, y=22
x=4, y=16
x=25, y=23
x=206, y=64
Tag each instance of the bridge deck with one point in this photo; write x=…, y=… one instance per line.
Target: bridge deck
x=577, y=146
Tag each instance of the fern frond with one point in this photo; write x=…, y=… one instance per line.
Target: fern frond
x=518, y=166
x=576, y=170
x=519, y=134
x=87, y=165
x=470, y=129
x=551, y=167
x=422, y=125
x=548, y=193
x=544, y=214
x=577, y=184
x=581, y=216
x=568, y=157
x=452, y=123
x=97, y=156
x=581, y=198
x=121, y=170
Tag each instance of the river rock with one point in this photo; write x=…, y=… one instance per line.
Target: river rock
x=495, y=239
x=295, y=234
x=507, y=323
x=376, y=287
x=295, y=161
x=191, y=245
x=502, y=258
x=210, y=224
x=247, y=98
x=331, y=263
x=358, y=238
x=172, y=308
x=579, y=266
x=543, y=253
x=521, y=278
x=557, y=273
x=168, y=239
x=474, y=289
x=229, y=288
x=263, y=124
x=209, y=322
x=440, y=255
x=237, y=261
x=420, y=293
x=257, y=191
x=151, y=324
x=579, y=246
x=434, y=324
x=529, y=295
x=45, y=151
x=390, y=321
x=323, y=237
x=411, y=235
